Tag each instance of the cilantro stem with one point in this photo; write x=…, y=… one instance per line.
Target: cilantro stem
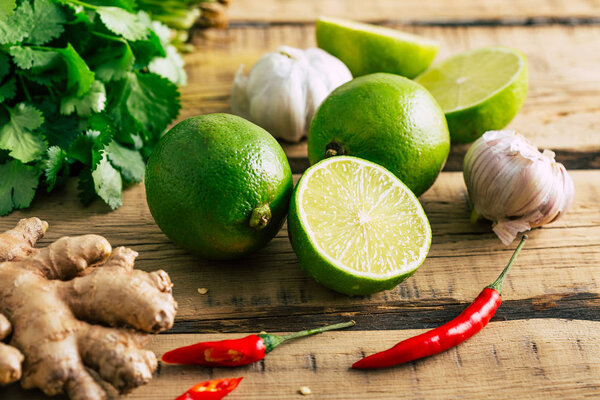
x=25, y=90
x=109, y=37
x=82, y=4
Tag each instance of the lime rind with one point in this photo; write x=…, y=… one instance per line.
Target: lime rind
x=357, y=261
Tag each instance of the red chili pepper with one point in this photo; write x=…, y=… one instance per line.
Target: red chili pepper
x=236, y=352
x=211, y=390
x=452, y=333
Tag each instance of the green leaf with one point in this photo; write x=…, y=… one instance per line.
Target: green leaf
x=108, y=184
x=47, y=23
x=59, y=130
x=145, y=50
x=88, y=148
x=18, y=134
x=85, y=187
x=4, y=65
x=170, y=67
x=8, y=89
x=16, y=27
x=79, y=75
x=122, y=23
x=7, y=7
x=92, y=101
x=112, y=62
x=128, y=161
x=53, y=165
x=17, y=186
x=129, y=5
x=143, y=103
x=26, y=57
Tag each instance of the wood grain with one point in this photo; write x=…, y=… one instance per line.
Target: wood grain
x=535, y=359
x=466, y=11
x=561, y=111
x=556, y=274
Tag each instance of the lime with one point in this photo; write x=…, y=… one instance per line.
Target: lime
x=479, y=90
x=387, y=119
x=355, y=227
x=368, y=48
x=218, y=185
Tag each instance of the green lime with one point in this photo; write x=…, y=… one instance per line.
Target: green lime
x=355, y=227
x=218, y=186
x=368, y=48
x=480, y=90
x=387, y=119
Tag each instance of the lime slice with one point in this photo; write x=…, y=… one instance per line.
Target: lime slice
x=368, y=48
x=479, y=90
x=355, y=227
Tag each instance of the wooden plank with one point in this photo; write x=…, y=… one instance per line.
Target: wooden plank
x=556, y=274
x=549, y=359
x=561, y=112
x=301, y=11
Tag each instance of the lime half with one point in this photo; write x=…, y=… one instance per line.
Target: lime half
x=366, y=49
x=479, y=90
x=355, y=227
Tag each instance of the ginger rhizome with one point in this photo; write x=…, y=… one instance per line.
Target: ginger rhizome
x=69, y=306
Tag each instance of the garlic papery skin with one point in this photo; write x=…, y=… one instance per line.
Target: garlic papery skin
x=514, y=185
x=284, y=89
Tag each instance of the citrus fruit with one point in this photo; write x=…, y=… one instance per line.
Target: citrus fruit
x=480, y=90
x=218, y=186
x=366, y=49
x=387, y=119
x=355, y=227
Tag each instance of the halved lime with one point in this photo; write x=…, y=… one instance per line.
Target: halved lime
x=479, y=90
x=368, y=48
x=355, y=227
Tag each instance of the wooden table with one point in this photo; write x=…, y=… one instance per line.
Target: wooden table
x=544, y=341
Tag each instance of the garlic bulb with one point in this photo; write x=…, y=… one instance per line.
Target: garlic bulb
x=285, y=88
x=514, y=185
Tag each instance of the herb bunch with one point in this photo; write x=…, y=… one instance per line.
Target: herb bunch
x=86, y=89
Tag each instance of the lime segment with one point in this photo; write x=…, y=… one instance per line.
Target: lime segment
x=366, y=228
x=366, y=48
x=479, y=90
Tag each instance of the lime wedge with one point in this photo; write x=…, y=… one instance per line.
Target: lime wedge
x=479, y=90
x=366, y=49
x=355, y=227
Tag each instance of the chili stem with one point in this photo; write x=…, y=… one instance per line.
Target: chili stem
x=497, y=285
x=313, y=331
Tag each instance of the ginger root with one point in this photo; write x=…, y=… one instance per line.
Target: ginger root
x=61, y=300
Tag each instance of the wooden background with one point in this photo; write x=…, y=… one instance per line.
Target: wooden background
x=545, y=339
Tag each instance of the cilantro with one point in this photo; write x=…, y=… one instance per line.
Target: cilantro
x=19, y=136
x=108, y=184
x=122, y=23
x=92, y=101
x=17, y=186
x=48, y=22
x=54, y=164
x=128, y=161
x=87, y=87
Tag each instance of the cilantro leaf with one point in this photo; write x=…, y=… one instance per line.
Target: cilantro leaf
x=123, y=23
x=25, y=57
x=18, y=134
x=143, y=103
x=128, y=161
x=8, y=89
x=108, y=183
x=78, y=73
x=92, y=101
x=113, y=62
x=59, y=130
x=85, y=187
x=170, y=67
x=53, y=165
x=48, y=22
x=7, y=7
x=145, y=50
x=16, y=27
x=17, y=186
x=4, y=65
